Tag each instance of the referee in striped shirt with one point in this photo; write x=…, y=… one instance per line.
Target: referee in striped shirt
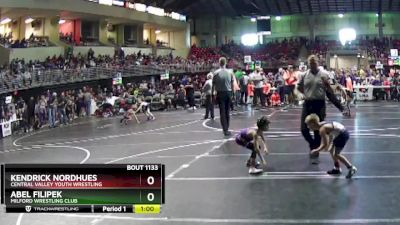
x=223, y=84
x=315, y=86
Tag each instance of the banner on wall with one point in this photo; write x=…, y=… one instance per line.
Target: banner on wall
x=8, y=99
x=118, y=3
x=379, y=65
x=364, y=93
x=6, y=128
x=106, y=2
x=117, y=79
x=394, y=52
x=165, y=76
x=247, y=59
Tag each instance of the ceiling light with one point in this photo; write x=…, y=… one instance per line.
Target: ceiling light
x=278, y=18
x=347, y=35
x=249, y=39
x=158, y=31
x=253, y=19
x=376, y=14
x=29, y=20
x=340, y=15
x=5, y=21
x=61, y=21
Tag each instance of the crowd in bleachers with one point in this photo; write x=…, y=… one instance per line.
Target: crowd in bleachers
x=274, y=53
x=377, y=49
x=6, y=39
x=33, y=41
x=320, y=48
x=67, y=38
x=386, y=84
x=61, y=108
x=21, y=74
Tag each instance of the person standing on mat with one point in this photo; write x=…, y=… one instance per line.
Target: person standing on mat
x=314, y=85
x=207, y=92
x=223, y=84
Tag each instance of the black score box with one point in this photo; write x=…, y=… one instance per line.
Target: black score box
x=113, y=208
x=49, y=209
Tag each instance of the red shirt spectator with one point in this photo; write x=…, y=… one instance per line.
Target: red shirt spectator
x=290, y=78
x=250, y=89
x=267, y=88
x=276, y=99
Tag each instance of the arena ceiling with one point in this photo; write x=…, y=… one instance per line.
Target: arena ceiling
x=273, y=7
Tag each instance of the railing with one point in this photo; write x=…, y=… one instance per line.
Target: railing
x=47, y=77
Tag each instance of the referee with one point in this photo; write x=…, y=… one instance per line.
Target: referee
x=223, y=84
x=314, y=84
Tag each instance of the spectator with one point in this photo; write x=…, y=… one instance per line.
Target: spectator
x=87, y=101
x=189, y=89
x=244, y=81
x=257, y=79
x=52, y=109
x=207, y=88
x=62, y=102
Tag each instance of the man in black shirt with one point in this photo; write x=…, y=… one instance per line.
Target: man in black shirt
x=62, y=102
x=175, y=83
x=31, y=111
x=190, y=94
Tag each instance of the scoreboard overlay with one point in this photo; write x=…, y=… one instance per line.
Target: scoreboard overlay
x=83, y=188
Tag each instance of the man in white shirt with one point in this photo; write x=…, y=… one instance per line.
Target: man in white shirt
x=28, y=77
x=257, y=79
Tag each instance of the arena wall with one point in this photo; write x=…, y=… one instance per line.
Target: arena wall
x=176, y=40
x=135, y=50
x=344, y=62
x=85, y=7
x=98, y=50
x=4, y=55
x=35, y=53
x=212, y=31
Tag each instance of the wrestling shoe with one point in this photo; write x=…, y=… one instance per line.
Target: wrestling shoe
x=253, y=163
x=346, y=112
x=334, y=171
x=314, y=159
x=352, y=171
x=253, y=170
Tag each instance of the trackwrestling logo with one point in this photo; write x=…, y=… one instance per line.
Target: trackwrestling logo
x=28, y=208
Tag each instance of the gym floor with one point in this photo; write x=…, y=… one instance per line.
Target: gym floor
x=207, y=181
